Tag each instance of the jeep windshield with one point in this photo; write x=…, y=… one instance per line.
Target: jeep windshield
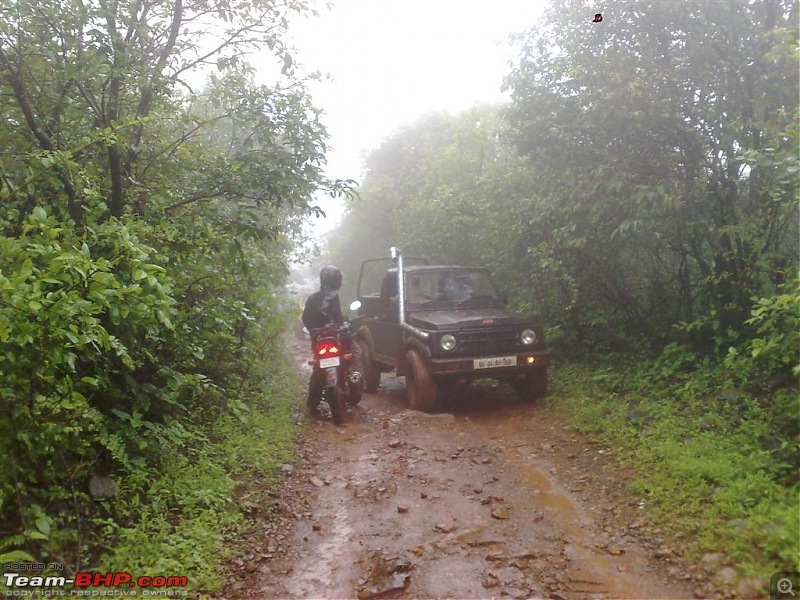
x=442, y=290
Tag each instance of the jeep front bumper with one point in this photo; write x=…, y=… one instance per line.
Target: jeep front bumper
x=489, y=366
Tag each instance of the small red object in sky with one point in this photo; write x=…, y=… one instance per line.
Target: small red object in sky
x=598, y=18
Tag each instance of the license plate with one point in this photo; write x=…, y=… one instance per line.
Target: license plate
x=494, y=361
x=325, y=363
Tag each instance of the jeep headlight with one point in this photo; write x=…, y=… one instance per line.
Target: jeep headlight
x=448, y=342
x=528, y=337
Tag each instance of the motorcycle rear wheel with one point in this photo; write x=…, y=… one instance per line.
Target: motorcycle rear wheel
x=336, y=400
x=314, y=393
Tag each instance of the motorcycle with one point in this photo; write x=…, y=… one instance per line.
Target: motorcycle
x=334, y=376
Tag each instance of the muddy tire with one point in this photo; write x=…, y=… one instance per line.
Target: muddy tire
x=336, y=400
x=533, y=387
x=314, y=394
x=420, y=386
x=369, y=370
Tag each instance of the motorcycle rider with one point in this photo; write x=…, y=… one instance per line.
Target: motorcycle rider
x=322, y=307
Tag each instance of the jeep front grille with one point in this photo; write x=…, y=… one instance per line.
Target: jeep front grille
x=487, y=341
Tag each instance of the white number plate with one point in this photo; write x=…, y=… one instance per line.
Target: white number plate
x=324, y=363
x=495, y=361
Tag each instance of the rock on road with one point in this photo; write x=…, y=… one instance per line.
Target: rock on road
x=494, y=498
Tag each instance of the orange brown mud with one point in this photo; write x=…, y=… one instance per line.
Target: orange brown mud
x=491, y=498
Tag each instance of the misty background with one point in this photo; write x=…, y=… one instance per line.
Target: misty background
x=380, y=65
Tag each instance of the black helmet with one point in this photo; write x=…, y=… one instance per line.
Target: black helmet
x=330, y=278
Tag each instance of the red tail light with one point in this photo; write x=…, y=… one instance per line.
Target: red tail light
x=328, y=349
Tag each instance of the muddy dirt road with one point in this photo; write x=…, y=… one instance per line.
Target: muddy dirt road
x=491, y=499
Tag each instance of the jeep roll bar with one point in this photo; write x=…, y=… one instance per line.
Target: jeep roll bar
x=397, y=257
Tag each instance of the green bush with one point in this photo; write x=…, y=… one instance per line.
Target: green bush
x=773, y=349
x=121, y=356
x=76, y=316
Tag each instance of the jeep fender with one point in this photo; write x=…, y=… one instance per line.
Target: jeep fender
x=410, y=343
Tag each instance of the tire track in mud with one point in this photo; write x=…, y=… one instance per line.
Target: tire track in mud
x=461, y=504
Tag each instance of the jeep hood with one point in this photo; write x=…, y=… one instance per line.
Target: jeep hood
x=466, y=318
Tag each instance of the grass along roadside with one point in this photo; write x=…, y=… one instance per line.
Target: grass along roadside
x=716, y=465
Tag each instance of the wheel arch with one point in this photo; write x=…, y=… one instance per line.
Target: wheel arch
x=410, y=343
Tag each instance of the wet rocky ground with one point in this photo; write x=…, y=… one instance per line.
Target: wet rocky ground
x=491, y=499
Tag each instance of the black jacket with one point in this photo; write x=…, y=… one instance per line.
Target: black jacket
x=322, y=308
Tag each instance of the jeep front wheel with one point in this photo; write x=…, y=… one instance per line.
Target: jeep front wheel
x=420, y=386
x=369, y=370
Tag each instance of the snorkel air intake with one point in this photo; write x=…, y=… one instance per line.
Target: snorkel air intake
x=397, y=257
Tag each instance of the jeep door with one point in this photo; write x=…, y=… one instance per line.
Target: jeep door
x=386, y=332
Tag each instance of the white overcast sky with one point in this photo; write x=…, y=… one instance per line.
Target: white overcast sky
x=391, y=61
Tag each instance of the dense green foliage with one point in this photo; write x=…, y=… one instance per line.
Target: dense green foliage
x=144, y=235
x=669, y=208
x=640, y=193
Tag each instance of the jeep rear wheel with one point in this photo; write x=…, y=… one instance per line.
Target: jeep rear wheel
x=369, y=370
x=420, y=386
x=534, y=386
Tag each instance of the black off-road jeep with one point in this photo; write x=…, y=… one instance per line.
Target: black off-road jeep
x=440, y=326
